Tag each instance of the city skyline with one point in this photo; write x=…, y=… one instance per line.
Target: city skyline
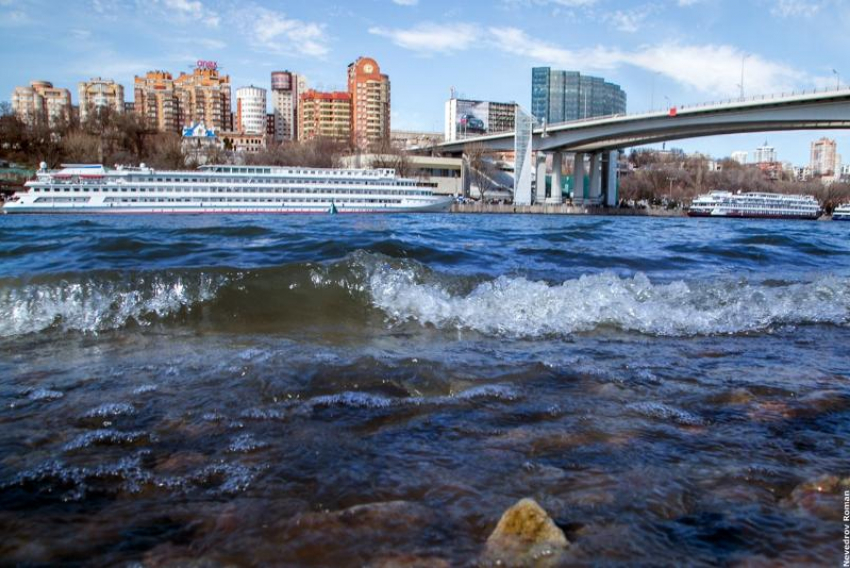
x=429, y=46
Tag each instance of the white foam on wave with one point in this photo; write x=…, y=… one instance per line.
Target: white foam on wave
x=42, y=394
x=107, y=437
x=666, y=413
x=111, y=410
x=515, y=306
x=93, y=305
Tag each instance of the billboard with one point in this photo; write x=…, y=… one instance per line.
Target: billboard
x=472, y=118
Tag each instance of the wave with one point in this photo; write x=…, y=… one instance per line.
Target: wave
x=368, y=289
x=519, y=307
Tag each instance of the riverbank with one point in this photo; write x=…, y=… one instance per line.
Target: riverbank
x=563, y=209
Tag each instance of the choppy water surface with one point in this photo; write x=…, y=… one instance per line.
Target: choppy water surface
x=378, y=390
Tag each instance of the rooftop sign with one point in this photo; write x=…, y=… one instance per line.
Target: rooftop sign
x=211, y=65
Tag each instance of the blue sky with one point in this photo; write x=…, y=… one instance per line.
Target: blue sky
x=684, y=51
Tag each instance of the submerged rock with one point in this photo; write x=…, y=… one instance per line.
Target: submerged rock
x=821, y=497
x=525, y=536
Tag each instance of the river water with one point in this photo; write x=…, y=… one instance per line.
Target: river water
x=377, y=390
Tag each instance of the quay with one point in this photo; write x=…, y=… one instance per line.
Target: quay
x=562, y=209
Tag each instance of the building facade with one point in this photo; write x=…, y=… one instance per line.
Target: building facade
x=740, y=157
x=99, y=93
x=562, y=96
x=287, y=88
x=764, y=154
x=169, y=104
x=369, y=91
x=324, y=115
x=466, y=118
x=251, y=110
x=42, y=103
x=270, y=131
x=156, y=102
x=407, y=139
x=243, y=143
x=822, y=158
x=204, y=96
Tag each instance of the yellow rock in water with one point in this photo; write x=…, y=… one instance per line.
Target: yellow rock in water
x=526, y=536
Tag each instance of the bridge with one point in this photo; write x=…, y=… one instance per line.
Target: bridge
x=602, y=138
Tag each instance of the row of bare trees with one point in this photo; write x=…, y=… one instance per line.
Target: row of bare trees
x=109, y=137
x=678, y=179
x=106, y=137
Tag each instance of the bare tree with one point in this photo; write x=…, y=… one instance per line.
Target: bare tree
x=481, y=170
x=388, y=156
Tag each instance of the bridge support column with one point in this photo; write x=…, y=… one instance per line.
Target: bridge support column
x=555, y=197
x=611, y=197
x=578, y=179
x=540, y=195
x=595, y=192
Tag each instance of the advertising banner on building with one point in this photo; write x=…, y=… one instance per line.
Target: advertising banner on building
x=472, y=118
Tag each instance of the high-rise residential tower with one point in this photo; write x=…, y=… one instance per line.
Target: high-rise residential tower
x=251, y=110
x=204, y=96
x=324, y=115
x=156, y=102
x=370, y=103
x=764, y=154
x=287, y=88
x=823, y=158
x=41, y=102
x=100, y=93
x=562, y=96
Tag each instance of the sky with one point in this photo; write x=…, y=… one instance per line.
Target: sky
x=662, y=52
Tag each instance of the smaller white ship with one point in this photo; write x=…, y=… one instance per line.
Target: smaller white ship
x=755, y=205
x=841, y=213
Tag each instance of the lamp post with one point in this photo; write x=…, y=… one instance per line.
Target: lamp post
x=666, y=98
x=743, y=59
x=837, y=80
x=652, y=92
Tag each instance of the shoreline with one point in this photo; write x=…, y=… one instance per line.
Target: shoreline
x=562, y=209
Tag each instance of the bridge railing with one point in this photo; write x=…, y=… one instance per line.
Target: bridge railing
x=718, y=103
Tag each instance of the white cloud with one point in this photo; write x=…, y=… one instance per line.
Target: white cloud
x=179, y=10
x=629, y=20
x=274, y=32
x=427, y=38
x=719, y=69
x=14, y=18
x=714, y=70
x=406, y=2
x=795, y=8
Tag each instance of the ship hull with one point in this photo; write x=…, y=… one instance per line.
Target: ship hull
x=753, y=216
x=13, y=209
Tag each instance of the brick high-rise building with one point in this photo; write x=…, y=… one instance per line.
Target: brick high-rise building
x=370, y=103
x=42, y=103
x=823, y=158
x=287, y=88
x=324, y=115
x=169, y=104
x=156, y=102
x=204, y=96
x=100, y=93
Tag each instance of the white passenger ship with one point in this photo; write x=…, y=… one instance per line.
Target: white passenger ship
x=841, y=213
x=755, y=205
x=84, y=188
